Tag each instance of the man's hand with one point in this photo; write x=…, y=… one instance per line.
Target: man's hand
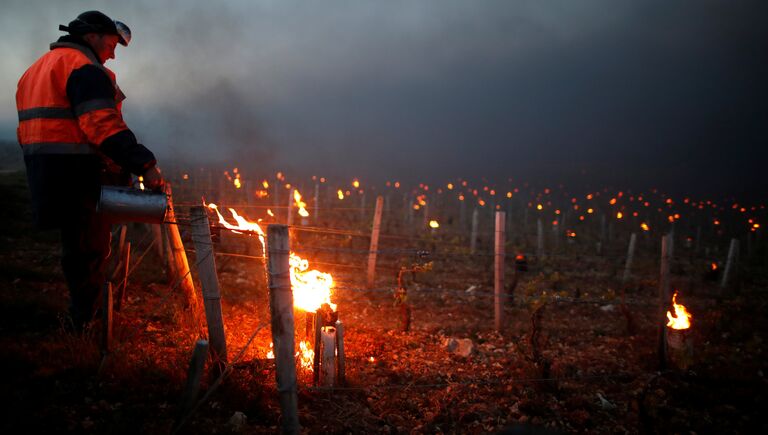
x=153, y=180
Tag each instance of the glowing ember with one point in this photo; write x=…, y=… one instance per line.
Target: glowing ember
x=299, y=203
x=141, y=182
x=355, y=184
x=682, y=318
x=645, y=226
x=340, y=194
x=371, y=359
x=311, y=288
x=269, y=212
x=434, y=224
x=714, y=266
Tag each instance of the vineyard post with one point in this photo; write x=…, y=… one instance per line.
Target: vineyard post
x=731, y=264
x=630, y=258
x=281, y=312
x=664, y=300
x=209, y=281
x=473, y=233
x=498, y=282
x=374, y=241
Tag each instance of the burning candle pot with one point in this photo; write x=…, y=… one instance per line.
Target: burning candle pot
x=679, y=341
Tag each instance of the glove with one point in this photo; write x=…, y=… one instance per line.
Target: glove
x=153, y=180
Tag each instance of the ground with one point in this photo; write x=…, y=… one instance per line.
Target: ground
x=592, y=365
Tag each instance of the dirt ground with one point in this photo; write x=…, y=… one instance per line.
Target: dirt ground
x=591, y=366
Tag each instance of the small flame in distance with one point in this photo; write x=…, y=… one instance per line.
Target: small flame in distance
x=682, y=318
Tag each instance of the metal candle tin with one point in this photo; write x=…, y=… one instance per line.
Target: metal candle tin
x=125, y=204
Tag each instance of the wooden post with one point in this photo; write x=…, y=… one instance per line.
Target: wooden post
x=180, y=256
x=374, y=241
x=664, y=301
x=362, y=205
x=630, y=258
x=276, y=202
x=281, y=312
x=340, y=360
x=498, y=282
x=328, y=365
x=106, y=337
x=731, y=264
x=209, y=281
x=121, y=239
x=425, y=221
x=170, y=264
x=473, y=233
x=194, y=375
x=539, y=238
x=157, y=235
x=317, y=203
x=289, y=210
x=124, y=285
x=463, y=215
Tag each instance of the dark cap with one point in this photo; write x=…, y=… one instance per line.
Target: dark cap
x=93, y=22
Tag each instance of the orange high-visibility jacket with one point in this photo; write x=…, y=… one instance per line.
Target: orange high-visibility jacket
x=48, y=124
x=70, y=127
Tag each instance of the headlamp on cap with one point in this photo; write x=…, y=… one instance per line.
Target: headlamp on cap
x=124, y=32
x=97, y=22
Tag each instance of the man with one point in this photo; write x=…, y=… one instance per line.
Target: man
x=73, y=136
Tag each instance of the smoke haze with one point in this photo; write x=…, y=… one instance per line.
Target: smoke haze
x=639, y=94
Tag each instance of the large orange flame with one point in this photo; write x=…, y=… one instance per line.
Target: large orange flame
x=682, y=318
x=311, y=288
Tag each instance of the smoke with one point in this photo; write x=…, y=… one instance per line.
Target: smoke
x=644, y=94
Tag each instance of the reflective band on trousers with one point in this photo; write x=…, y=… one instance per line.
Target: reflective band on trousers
x=46, y=112
x=57, y=148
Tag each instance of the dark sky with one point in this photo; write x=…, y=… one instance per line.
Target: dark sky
x=632, y=94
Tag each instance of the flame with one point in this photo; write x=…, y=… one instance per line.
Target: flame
x=311, y=288
x=269, y=212
x=300, y=204
x=371, y=359
x=619, y=215
x=242, y=225
x=237, y=182
x=714, y=266
x=141, y=182
x=265, y=183
x=305, y=354
x=185, y=176
x=434, y=224
x=340, y=194
x=356, y=184
x=645, y=226
x=682, y=318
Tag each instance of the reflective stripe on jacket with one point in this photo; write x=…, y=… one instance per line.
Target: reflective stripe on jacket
x=48, y=124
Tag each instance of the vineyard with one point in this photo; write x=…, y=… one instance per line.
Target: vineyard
x=465, y=307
